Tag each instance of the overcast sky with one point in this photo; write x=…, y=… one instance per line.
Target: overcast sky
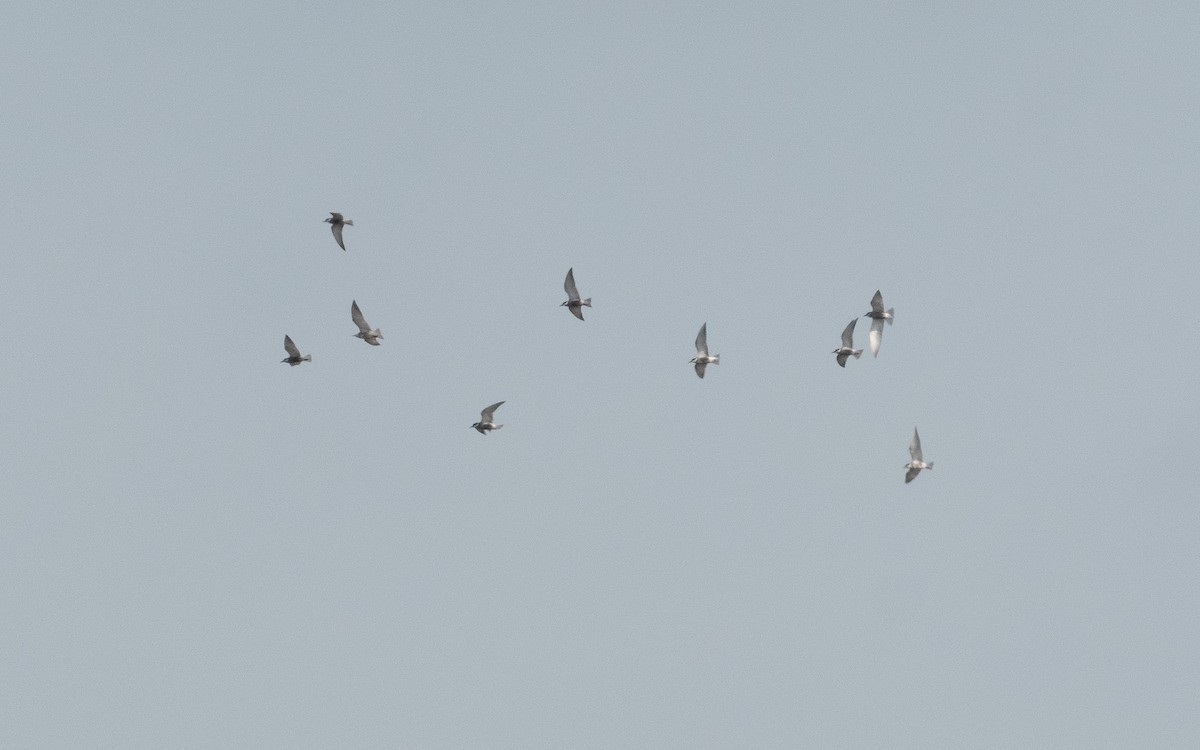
x=203, y=547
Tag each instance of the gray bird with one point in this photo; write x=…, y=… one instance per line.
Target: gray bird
x=364, y=331
x=294, y=357
x=485, y=423
x=914, y=450
x=847, y=350
x=878, y=315
x=702, y=357
x=573, y=303
x=336, y=222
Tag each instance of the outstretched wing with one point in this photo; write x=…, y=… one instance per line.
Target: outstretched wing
x=841, y=359
x=572, y=290
x=702, y=345
x=357, y=316
x=911, y=475
x=877, y=302
x=486, y=414
x=289, y=347
x=336, y=226
x=848, y=335
x=700, y=369
x=876, y=335
x=914, y=448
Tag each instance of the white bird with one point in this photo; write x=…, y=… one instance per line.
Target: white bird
x=574, y=303
x=914, y=450
x=364, y=331
x=485, y=422
x=877, y=316
x=847, y=350
x=702, y=358
x=336, y=222
x=294, y=357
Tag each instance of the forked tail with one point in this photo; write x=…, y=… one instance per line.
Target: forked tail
x=892, y=313
x=587, y=302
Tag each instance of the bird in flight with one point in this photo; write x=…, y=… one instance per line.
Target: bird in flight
x=878, y=315
x=847, y=350
x=336, y=222
x=364, y=331
x=485, y=423
x=917, y=463
x=574, y=303
x=702, y=357
x=294, y=357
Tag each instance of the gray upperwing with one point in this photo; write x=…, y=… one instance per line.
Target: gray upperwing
x=877, y=301
x=571, y=289
x=702, y=345
x=914, y=448
x=289, y=347
x=486, y=414
x=337, y=233
x=848, y=335
x=357, y=316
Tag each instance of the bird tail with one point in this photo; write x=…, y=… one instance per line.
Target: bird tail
x=349, y=222
x=929, y=466
x=497, y=427
x=377, y=333
x=307, y=358
x=716, y=359
x=857, y=353
x=891, y=311
x=587, y=302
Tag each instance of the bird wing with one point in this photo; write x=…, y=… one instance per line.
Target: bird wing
x=486, y=414
x=877, y=302
x=357, y=316
x=337, y=233
x=572, y=290
x=914, y=448
x=876, y=335
x=911, y=475
x=841, y=358
x=289, y=347
x=576, y=310
x=700, y=369
x=848, y=335
x=702, y=344
x=337, y=218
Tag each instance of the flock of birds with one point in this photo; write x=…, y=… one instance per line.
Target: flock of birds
x=575, y=304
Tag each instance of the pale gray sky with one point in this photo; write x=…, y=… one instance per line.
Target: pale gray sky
x=202, y=547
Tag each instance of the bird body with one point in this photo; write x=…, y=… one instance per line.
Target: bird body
x=364, y=330
x=294, y=356
x=914, y=467
x=485, y=423
x=702, y=358
x=574, y=303
x=336, y=222
x=847, y=350
x=878, y=315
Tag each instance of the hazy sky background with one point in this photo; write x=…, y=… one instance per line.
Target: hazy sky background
x=202, y=547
